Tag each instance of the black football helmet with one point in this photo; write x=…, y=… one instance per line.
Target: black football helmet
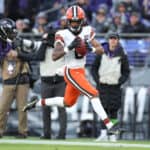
x=7, y=29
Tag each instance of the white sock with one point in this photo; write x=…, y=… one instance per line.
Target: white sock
x=109, y=125
x=103, y=132
x=103, y=135
x=54, y=101
x=113, y=138
x=98, y=108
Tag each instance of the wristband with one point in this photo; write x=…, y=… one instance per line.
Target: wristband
x=93, y=49
x=66, y=50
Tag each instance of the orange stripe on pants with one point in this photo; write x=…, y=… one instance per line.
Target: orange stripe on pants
x=77, y=84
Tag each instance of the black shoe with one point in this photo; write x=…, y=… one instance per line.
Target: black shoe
x=21, y=136
x=32, y=104
x=45, y=137
x=115, y=129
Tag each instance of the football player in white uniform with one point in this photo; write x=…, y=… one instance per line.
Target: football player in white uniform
x=72, y=43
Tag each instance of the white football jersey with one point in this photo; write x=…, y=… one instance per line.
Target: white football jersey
x=66, y=37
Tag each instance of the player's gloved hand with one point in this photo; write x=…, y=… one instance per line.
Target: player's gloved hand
x=88, y=46
x=49, y=37
x=45, y=38
x=18, y=42
x=75, y=43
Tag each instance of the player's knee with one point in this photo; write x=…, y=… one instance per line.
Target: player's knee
x=94, y=95
x=68, y=104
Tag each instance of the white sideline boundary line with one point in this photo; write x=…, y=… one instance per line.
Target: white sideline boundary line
x=58, y=142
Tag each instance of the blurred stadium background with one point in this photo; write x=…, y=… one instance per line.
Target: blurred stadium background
x=136, y=44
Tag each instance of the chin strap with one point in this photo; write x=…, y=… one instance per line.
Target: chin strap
x=76, y=32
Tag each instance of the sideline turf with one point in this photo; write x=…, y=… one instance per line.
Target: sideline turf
x=55, y=147
x=8, y=143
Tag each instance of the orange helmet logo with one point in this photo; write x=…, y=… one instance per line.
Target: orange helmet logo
x=75, y=13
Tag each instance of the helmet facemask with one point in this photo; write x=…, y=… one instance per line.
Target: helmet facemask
x=75, y=26
x=8, y=30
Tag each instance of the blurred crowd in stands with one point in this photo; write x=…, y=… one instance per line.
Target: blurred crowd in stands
x=123, y=16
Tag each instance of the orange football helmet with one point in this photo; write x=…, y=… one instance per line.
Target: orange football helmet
x=75, y=18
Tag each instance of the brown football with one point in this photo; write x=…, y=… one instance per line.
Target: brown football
x=81, y=49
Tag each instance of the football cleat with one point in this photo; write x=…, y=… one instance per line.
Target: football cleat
x=102, y=138
x=32, y=104
x=115, y=129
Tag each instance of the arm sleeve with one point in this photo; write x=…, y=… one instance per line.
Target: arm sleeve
x=39, y=55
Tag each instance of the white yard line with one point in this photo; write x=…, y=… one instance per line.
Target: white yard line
x=58, y=142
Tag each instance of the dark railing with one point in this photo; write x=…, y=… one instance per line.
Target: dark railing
x=137, y=46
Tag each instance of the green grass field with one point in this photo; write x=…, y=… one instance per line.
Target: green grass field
x=70, y=144
x=55, y=147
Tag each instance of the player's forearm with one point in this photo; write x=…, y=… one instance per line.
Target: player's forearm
x=99, y=50
x=97, y=47
x=36, y=56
